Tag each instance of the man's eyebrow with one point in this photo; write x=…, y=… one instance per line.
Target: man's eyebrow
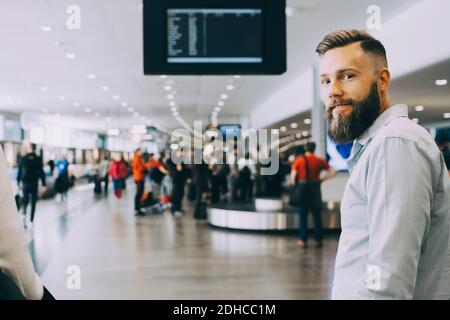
x=340, y=71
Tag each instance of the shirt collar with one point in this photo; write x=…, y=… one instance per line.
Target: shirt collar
x=394, y=112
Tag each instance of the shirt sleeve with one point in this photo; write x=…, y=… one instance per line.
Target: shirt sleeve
x=399, y=192
x=295, y=165
x=325, y=164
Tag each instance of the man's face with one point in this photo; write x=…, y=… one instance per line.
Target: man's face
x=349, y=91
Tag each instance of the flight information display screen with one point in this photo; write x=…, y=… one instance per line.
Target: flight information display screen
x=214, y=35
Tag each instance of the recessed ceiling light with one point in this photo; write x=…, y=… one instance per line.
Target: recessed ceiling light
x=230, y=87
x=70, y=55
x=105, y=88
x=441, y=82
x=172, y=103
x=224, y=97
x=88, y=110
x=419, y=108
x=294, y=125
x=307, y=121
x=91, y=76
x=237, y=77
x=173, y=109
x=62, y=98
x=305, y=133
x=298, y=135
x=130, y=109
x=289, y=11
x=163, y=77
x=220, y=103
x=416, y=120
x=175, y=113
x=447, y=115
x=113, y=132
x=76, y=104
x=46, y=28
x=168, y=87
x=116, y=97
x=283, y=129
x=214, y=113
x=44, y=89
x=275, y=131
x=170, y=96
x=124, y=104
x=217, y=109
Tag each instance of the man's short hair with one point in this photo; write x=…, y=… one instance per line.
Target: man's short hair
x=311, y=147
x=137, y=150
x=342, y=38
x=33, y=146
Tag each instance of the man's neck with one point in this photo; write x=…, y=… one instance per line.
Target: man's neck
x=385, y=104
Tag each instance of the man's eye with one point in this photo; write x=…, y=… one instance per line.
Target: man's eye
x=347, y=76
x=324, y=82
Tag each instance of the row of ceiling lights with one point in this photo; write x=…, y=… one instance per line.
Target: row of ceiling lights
x=294, y=125
x=169, y=88
x=221, y=102
x=90, y=76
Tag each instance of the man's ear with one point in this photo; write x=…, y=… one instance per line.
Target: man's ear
x=384, y=79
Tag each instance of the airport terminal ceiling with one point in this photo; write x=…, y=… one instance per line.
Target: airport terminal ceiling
x=92, y=77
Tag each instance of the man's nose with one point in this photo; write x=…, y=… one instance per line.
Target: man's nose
x=335, y=90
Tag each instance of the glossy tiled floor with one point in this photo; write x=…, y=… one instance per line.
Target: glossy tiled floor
x=121, y=256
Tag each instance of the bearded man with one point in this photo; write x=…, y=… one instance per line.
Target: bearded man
x=396, y=205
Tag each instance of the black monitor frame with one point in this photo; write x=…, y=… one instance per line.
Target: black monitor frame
x=273, y=34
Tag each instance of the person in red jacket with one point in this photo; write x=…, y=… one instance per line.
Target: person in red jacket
x=118, y=172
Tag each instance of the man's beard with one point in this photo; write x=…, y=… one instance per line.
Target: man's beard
x=364, y=113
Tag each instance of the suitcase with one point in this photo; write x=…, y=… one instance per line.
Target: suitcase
x=98, y=186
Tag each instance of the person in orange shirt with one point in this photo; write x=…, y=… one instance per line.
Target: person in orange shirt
x=306, y=169
x=156, y=172
x=139, y=170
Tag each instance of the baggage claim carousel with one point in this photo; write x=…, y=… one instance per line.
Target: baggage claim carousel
x=269, y=214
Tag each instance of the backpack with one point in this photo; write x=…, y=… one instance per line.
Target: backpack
x=156, y=175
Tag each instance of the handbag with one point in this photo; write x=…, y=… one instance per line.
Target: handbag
x=299, y=195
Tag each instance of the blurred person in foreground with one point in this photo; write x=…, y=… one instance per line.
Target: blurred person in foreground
x=18, y=279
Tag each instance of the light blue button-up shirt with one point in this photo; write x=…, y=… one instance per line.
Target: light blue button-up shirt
x=394, y=215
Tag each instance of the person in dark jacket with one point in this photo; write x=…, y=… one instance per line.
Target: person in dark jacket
x=200, y=178
x=179, y=174
x=30, y=171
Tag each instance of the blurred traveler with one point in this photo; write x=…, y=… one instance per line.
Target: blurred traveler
x=247, y=171
x=201, y=179
x=306, y=171
x=103, y=172
x=118, y=172
x=30, y=172
x=62, y=181
x=156, y=171
x=179, y=174
x=396, y=205
x=139, y=171
x=18, y=279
